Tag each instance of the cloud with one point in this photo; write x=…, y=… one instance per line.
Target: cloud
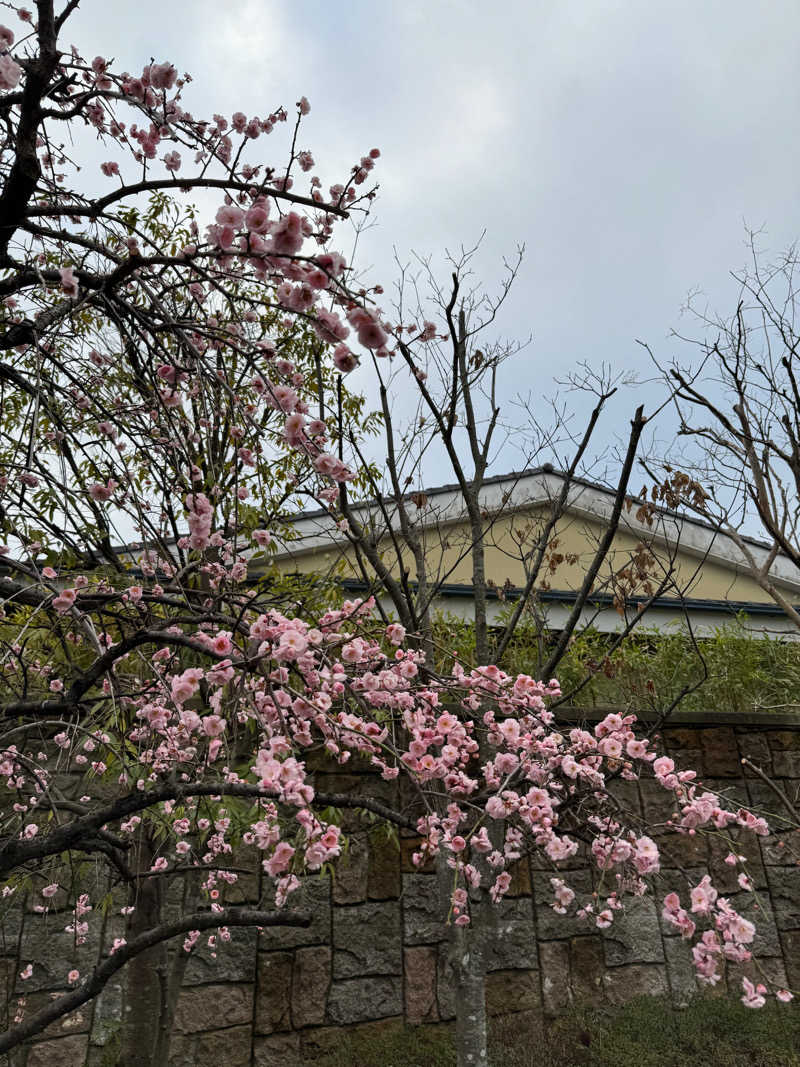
x=623, y=143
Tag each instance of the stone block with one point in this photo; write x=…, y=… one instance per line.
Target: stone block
x=350, y=874
x=755, y=748
x=423, y=910
x=366, y=940
x=783, y=740
x=202, y=1007
x=65, y=1050
x=762, y=798
x=680, y=971
x=586, y=969
x=245, y=890
x=786, y=764
x=778, y=850
x=521, y=885
x=228, y=961
x=790, y=942
x=720, y=752
x=231, y=1047
x=784, y=887
x=273, y=990
x=681, y=849
x=77, y=1022
x=280, y=1050
x=635, y=980
x=107, y=1013
x=725, y=877
x=512, y=942
x=512, y=991
x=627, y=794
x=357, y=1000
x=771, y=971
x=419, y=967
x=383, y=872
x=53, y=953
x=733, y=793
x=550, y=924
x=313, y=896
x=554, y=962
x=758, y=909
x=658, y=803
x=677, y=738
x=310, y=985
x=634, y=936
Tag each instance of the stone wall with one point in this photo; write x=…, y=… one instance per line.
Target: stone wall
x=376, y=947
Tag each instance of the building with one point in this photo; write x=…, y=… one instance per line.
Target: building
x=699, y=570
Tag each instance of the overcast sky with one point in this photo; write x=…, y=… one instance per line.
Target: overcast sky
x=626, y=144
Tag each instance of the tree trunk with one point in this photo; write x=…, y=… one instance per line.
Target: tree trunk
x=175, y=975
x=470, y=988
x=146, y=974
x=468, y=949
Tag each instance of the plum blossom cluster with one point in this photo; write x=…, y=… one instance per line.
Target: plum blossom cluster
x=494, y=775
x=268, y=248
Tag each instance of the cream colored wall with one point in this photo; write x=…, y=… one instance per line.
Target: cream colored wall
x=448, y=559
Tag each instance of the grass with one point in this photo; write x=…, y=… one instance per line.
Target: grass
x=711, y=1032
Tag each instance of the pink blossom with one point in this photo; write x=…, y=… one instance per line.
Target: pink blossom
x=69, y=283
x=161, y=75
x=501, y=886
x=371, y=335
x=344, y=360
x=564, y=896
x=10, y=72
x=287, y=235
x=280, y=859
x=230, y=215
x=213, y=726
x=753, y=994
x=257, y=217
x=703, y=896
x=64, y=601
